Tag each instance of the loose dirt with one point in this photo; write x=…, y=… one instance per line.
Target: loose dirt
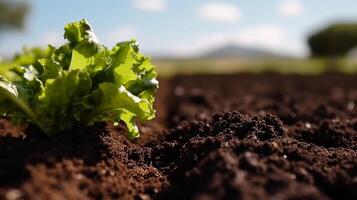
x=215, y=137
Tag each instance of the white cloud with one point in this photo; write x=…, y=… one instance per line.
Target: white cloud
x=51, y=37
x=151, y=5
x=291, y=8
x=122, y=33
x=268, y=37
x=15, y=45
x=220, y=12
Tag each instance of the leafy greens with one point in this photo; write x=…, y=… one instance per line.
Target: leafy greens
x=81, y=82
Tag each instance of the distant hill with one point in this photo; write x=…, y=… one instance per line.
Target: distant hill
x=241, y=52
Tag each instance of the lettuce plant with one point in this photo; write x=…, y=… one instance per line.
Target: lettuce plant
x=80, y=83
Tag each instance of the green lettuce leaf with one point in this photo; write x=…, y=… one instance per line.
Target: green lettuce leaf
x=115, y=104
x=79, y=83
x=12, y=99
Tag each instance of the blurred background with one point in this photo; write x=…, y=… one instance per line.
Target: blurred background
x=200, y=36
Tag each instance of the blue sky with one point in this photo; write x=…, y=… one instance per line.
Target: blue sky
x=184, y=27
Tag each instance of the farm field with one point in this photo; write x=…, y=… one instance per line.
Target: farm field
x=228, y=65
x=243, y=136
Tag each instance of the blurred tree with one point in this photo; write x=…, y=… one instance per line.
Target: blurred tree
x=336, y=40
x=12, y=14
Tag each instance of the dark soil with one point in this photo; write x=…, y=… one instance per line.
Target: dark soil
x=215, y=137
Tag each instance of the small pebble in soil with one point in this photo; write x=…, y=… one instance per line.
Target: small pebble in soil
x=225, y=144
x=350, y=105
x=292, y=176
x=203, y=115
x=13, y=194
x=326, y=169
x=144, y=197
x=275, y=145
x=307, y=125
x=179, y=91
x=303, y=171
x=79, y=176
